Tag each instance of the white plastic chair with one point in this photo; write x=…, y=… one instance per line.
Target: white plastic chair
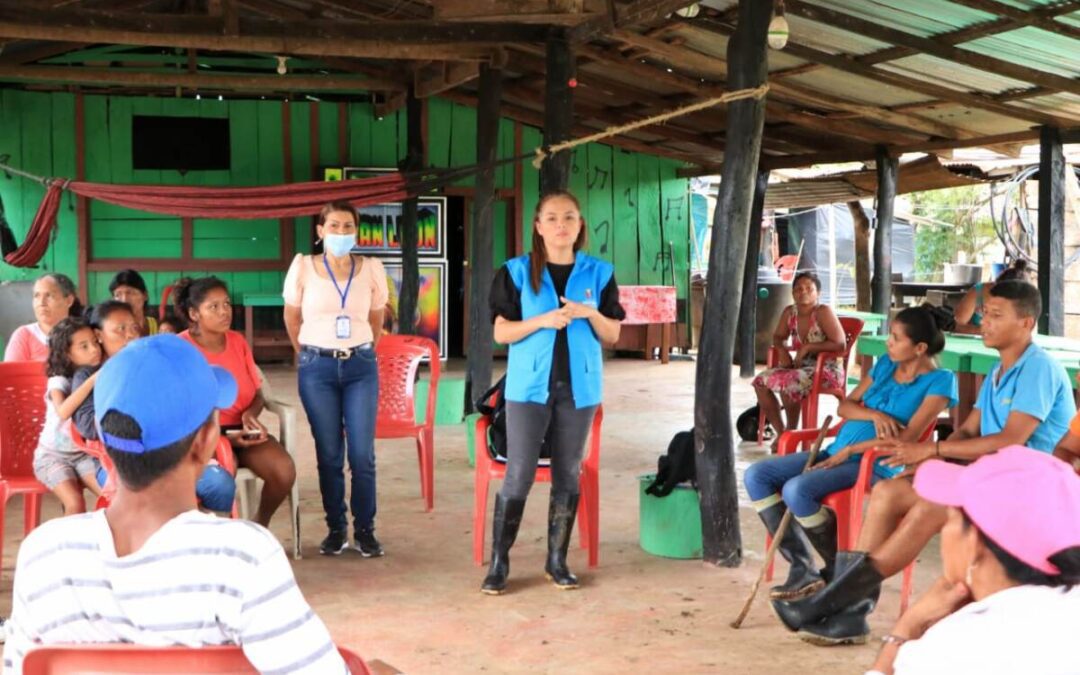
x=249, y=486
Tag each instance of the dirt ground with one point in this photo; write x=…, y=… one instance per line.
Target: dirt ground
x=419, y=609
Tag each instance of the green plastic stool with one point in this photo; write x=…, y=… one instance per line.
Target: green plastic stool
x=670, y=526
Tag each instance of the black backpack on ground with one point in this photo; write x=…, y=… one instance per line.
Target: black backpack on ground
x=677, y=466
x=747, y=424
x=496, y=413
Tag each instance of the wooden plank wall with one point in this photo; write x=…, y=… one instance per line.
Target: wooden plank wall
x=634, y=205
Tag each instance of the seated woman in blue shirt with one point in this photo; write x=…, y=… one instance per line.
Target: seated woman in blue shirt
x=901, y=396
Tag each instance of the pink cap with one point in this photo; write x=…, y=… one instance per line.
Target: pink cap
x=1027, y=502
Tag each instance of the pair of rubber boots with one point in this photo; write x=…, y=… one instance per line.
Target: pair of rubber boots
x=562, y=509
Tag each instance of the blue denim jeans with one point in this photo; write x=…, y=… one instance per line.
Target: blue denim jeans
x=341, y=398
x=803, y=493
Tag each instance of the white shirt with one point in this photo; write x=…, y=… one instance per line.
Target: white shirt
x=199, y=580
x=56, y=434
x=1026, y=629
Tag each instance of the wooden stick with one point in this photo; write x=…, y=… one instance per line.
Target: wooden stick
x=779, y=534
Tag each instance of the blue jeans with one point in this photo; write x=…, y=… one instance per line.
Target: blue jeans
x=803, y=493
x=341, y=398
x=216, y=489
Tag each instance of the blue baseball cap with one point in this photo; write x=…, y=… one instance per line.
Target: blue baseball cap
x=166, y=385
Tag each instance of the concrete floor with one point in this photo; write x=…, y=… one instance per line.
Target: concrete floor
x=419, y=610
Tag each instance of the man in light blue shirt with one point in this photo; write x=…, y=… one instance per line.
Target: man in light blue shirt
x=1026, y=400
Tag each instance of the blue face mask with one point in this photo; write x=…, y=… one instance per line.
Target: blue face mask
x=339, y=245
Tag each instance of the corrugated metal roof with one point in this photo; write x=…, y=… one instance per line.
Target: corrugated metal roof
x=951, y=75
x=1033, y=47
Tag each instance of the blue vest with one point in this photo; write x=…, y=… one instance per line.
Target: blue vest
x=528, y=370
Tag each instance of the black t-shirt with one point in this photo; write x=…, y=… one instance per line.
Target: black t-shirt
x=505, y=301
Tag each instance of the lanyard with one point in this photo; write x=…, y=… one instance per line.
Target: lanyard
x=348, y=284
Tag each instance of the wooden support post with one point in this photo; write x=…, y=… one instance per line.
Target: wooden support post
x=410, y=262
x=862, y=255
x=748, y=306
x=1051, y=231
x=481, y=335
x=713, y=441
x=558, y=113
x=881, y=286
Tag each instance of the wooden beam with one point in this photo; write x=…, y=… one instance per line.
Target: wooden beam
x=1023, y=17
x=405, y=40
x=931, y=47
x=480, y=266
x=434, y=78
x=198, y=80
x=410, y=236
x=82, y=206
x=558, y=113
x=881, y=284
x=748, y=306
x=646, y=11
x=713, y=441
x=37, y=52
x=1051, y=232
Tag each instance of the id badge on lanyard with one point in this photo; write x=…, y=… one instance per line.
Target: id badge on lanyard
x=343, y=323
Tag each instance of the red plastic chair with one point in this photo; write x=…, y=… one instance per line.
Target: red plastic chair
x=399, y=358
x=848, y=504
x=163, y=308
x=809, y=410
x=22, y=416
x=785, y=266
x=129, y=659
x=589, y=504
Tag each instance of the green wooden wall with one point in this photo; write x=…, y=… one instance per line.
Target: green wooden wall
x=635, y=207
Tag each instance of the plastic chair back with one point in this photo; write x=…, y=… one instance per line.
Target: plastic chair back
x=22, y=416
x=399, y=359
x=852, y=330
x=129, y=659
x=163, y=308
x=785, y=265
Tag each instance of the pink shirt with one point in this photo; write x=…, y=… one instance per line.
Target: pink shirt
x=28, y=343
x=320, y=302
x=236, y=359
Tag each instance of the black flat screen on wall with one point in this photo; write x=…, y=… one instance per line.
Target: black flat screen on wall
x=180, y=143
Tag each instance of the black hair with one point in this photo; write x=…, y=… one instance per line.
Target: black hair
x=925, y=324
x=171, y=318
x=67, y=287
x=190, y=293
x=58, y=363
x=807, y=275
x=1025, y=298
x=1067, y=561
x=138, y=471
x=97, y=314
x=1018, y=271
x=128, y=278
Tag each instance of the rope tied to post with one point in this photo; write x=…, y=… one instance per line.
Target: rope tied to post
x=543, y=152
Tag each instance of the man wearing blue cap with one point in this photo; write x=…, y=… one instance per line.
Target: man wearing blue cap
x=152, y=569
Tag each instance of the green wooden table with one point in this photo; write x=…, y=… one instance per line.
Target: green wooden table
x=984, y=360
x=871, y=321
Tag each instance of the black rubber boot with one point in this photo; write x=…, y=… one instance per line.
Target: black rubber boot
x=849, y=627
x=823, y=539
x=504, y=531
x=561, y=512
x=856, y=581
x=803, y=578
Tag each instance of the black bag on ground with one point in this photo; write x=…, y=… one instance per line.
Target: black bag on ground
x=747, y=424
x=677, y=466
x=496, y=413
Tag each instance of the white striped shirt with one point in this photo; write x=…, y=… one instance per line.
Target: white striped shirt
x=199, y=580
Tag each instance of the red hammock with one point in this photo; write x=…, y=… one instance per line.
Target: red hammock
x=244, y=203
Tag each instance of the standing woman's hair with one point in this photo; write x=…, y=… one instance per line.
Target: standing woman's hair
x=99, y=313
x=538, y=254
x=925, y=324
x=59, y=364
x=1018, y=271
x=190, y=293
x=67, y=287
x=334, y=207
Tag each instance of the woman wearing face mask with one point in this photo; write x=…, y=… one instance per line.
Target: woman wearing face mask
x=54, y=299
x=554, y=307
x=1007, y=600
x=128, y=286
x=334, y=304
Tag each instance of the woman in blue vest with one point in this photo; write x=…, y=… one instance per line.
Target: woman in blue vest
x=554, y=307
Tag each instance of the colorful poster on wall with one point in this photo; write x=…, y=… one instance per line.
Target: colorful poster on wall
x=430, y=319
x=379, y=223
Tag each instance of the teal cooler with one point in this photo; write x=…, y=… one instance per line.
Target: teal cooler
x=670, y=526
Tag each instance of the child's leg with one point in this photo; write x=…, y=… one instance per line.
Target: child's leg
x=87, y=468
x=91, y=482
x=71, y=496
